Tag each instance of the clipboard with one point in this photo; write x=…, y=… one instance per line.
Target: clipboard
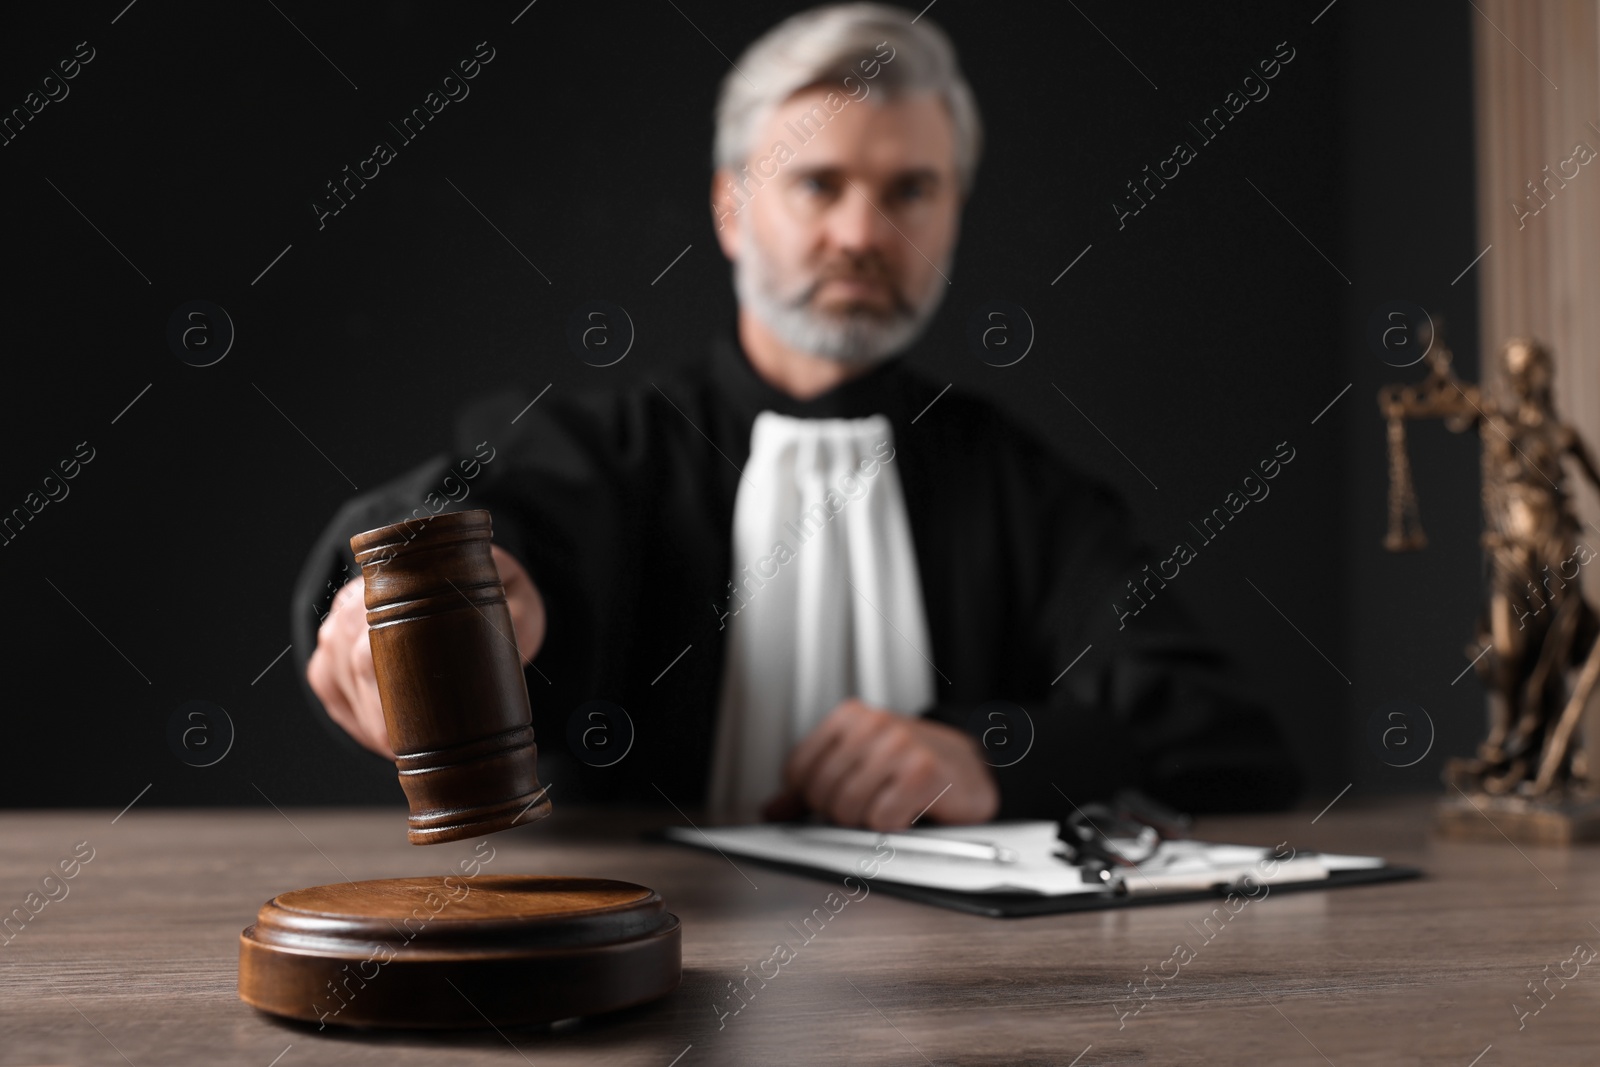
x=1020, y=904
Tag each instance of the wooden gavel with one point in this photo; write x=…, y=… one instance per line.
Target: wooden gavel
x=450, y=677
x=517, y=949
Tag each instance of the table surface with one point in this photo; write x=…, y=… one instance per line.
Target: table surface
x=137, y=964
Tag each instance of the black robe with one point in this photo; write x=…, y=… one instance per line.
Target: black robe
x=620, y=505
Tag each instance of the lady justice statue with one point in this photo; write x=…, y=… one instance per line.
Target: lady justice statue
x=1536, y=623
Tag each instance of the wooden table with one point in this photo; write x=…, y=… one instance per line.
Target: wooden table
x=137, y=963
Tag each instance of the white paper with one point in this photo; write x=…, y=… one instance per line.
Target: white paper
x=1037, y=870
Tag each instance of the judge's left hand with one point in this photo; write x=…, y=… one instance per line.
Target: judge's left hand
x=863, y=766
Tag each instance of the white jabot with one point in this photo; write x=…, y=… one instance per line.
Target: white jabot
x=825, y=601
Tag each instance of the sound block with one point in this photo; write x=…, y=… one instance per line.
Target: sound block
x=1560, y=821
x=456, y=952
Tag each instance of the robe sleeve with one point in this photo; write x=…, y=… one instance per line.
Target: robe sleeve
x=1149, y=706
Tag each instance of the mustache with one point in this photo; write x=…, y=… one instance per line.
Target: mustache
x=869, y=269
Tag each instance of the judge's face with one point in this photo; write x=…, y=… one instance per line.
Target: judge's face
x=844, y=225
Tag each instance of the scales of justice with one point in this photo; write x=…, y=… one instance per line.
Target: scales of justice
x=458, y=950
x=1536, y=642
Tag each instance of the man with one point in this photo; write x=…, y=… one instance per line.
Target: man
x=809, y=590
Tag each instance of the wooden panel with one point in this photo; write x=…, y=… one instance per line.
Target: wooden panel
x=1537, y=96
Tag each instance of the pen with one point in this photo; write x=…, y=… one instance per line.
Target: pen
x=931, y=846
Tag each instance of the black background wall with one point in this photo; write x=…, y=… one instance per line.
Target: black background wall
x=1216, y=323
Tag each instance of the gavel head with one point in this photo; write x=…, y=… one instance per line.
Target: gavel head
x=450, y=677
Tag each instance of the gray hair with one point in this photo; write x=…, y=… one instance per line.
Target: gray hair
x=825, y=45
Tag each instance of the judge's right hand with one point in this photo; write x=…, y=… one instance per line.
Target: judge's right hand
x=340, y=670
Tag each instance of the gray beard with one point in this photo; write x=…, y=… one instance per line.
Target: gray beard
x=858, y=337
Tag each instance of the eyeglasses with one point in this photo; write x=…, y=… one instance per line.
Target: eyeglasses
x=1123, y=833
